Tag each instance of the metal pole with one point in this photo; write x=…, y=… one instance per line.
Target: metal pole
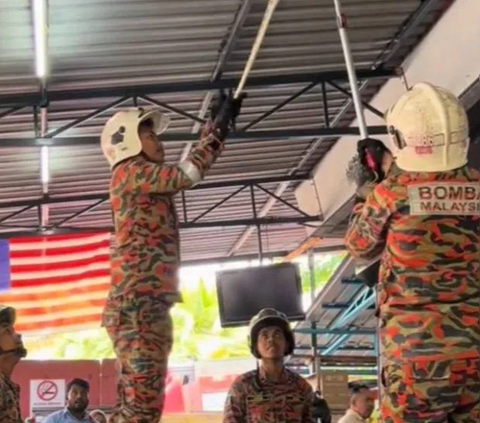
x=315, y=363
x=311, y=269
x=272, y=5
x=184, y=207
x=352, y=77
x=44, y=167
x=378, y=350
x=259, y=231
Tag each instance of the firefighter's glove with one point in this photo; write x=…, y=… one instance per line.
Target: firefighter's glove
x=365, y=168
x=224, y=111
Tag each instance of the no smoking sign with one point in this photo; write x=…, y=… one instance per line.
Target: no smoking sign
x=47, y=394
x=47, y=390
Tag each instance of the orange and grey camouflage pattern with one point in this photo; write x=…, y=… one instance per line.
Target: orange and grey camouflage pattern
x=424, y=392
x=144, y=274
x=146, y=223
x=254, y=399
x=427, y=226
x=142, y=339
x=9, y=401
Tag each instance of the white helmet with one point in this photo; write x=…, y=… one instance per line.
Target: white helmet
x=429, y=130
x=120, y=138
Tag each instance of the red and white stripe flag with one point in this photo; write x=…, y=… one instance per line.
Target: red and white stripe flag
x=56, y=283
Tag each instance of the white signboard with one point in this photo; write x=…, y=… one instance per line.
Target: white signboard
x=444, y=198
x=47, y=394
x=213, y=402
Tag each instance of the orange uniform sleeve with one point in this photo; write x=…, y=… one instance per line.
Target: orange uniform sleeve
x=366, y=234
x=152, y=178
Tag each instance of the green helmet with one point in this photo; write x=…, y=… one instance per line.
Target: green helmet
x=7, y=316
x=265, y=318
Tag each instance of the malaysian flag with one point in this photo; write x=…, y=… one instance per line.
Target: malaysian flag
x=56, y=283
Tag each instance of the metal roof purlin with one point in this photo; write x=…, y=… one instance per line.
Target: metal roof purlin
x=285, y=135
x=33, y=99
x=186, y=224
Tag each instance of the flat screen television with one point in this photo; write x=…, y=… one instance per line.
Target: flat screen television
x=242, y=293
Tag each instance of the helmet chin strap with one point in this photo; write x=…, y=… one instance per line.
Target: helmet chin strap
x=19, y=352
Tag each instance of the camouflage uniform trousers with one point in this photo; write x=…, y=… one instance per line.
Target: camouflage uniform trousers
x=445, y=391
x=142, y=334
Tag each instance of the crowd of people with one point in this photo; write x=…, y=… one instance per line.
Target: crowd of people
x=416, y=210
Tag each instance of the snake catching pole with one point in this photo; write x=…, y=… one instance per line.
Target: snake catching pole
x=272, y=5
x=352, y=76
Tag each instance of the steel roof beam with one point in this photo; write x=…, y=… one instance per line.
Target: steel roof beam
x=270, y=135
x=349, y=94
x=229, y=45
x=279, y=106
x=86, y=118
x=10, y=111
x=33, y=99
x=271, y=220
x=202, y=186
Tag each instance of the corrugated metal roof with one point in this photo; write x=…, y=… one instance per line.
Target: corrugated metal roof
x=16, y=51
x=115, y=43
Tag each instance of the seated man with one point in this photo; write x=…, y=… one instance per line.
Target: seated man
x=271, y=393
x=361, y=406
x=77, y=403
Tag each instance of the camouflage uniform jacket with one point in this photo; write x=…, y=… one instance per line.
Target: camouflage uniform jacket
x=254, y=399
x=147, y=255
x=9, y=401
x=426, y=226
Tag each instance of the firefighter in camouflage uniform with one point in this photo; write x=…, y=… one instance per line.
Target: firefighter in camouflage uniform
x=11, y=352
x=270, y=394
x=147, y=253
x=424, y=220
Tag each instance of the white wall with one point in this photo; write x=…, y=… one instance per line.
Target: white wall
x=449, y=57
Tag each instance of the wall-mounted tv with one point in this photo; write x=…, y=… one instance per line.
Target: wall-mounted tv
x=242, y=293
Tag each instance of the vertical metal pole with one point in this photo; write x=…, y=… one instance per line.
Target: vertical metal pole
x=352, y=77
x=325, y=105
x=315, y=363
x=378, y=353
x=184, y=207
x=259, y=230
x=36, y=122
x=45, y=166
x=314, y=347
x=311, y=271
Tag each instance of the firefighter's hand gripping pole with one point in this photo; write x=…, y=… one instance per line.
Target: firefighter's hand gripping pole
x=272, y=5
x=352, y=77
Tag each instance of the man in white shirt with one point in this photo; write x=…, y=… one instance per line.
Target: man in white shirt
x=361, y=406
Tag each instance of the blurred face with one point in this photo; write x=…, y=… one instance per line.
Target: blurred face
x=151, y=145
x=11, y=340
x=271, y=343
x=77, y=399
x=364, y=404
